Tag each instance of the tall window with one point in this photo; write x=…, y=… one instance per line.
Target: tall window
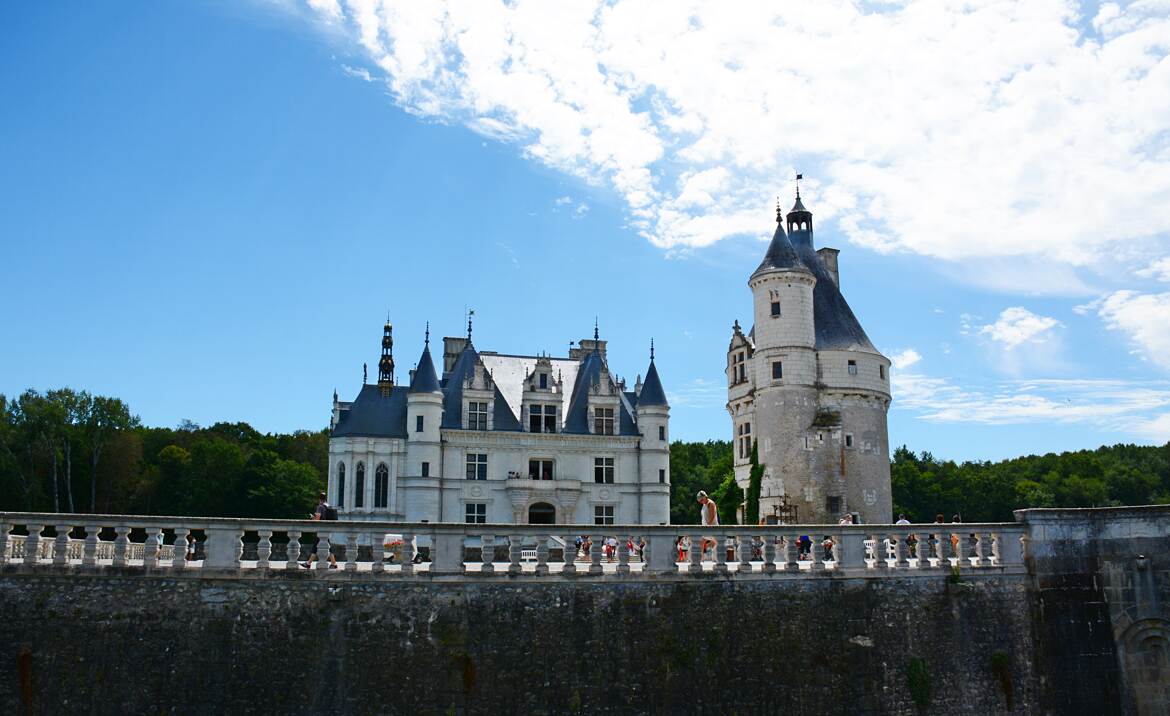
x=603, y=515
x=341, y=484
x=540, y=470
x=775, y=308
x=662, y=476
x=418, y=423
x=603, y=421
x=359, y=485
x=543, y=380
x=475, y=513
x=426, y=469
x=852, y=367
x=745, y=441
x=476, y=415
x=881, y=371
x=542, y=418
x=476, y=466
x=381, y=485
x=661, y=432
x=603, y=470
x=848, y=440
x=777, y=370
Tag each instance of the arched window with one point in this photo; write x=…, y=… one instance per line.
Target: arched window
x=381, y=485
x=340, y=484
x=359, y=485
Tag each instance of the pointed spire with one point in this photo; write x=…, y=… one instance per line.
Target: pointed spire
x=596, y=336
x=424, y=379
x=651, y=350
x=386, y=362
x=779, y=211
x=427, y=339
x=469, y=315
x=652, y=393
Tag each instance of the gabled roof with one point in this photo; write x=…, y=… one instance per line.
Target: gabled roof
x=425, y=380
x=589, y=374
x=502, y=416
x=374, y=415
x=652, y=393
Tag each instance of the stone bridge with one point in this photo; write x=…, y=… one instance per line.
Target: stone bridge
x=1061, y=612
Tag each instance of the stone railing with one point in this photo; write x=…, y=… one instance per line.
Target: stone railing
x=375, y=549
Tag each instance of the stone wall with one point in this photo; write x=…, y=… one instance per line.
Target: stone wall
x=139, y=644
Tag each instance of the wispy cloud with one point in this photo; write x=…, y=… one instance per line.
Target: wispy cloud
x=360, y=73
x=1017, y=326
x=905, y=358
x=691, y=113
x=698, y=393
x=1144, y=318
x=511, y=253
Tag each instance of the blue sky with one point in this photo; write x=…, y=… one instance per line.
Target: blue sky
x=207, y=208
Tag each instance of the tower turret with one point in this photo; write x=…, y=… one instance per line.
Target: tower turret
x=386, y=363
x=653, y=417
x=424, y=415
x=800, y=226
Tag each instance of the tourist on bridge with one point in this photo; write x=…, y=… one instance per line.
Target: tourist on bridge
x=709, y=513
x=324, y=512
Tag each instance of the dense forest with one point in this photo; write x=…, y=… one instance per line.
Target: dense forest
x=70, y=451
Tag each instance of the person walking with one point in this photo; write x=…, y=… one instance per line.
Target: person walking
x=324, y=512
x=709, y=514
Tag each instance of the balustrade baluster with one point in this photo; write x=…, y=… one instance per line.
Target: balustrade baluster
x=595, y=548
x=986, y=550
x=623, y=554
x=570, y=555
x=791, y=553
x=816, y=553
x=542, y=554
x=408, y=553
x=743, y=553
x=4, y=542
x=292, y=552
x=487, y=554
x=515, y=552
x=178, y=559
x=899, y=548
x=324, y=550
x=32, y=544
x=377, y=552
x=351, y=551
x=61, y=544
x=695, y=555
x=769, y=554
x=121, y=544
x=150, y=548
x=720, y=553
x=263, y=548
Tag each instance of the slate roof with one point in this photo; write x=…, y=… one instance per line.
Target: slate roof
x=502, y=416
x=374, y=415
x=780, y=254
x=425, y=380
x=652, y=393
x=589, y=374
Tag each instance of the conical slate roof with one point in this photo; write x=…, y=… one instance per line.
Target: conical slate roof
x=652, y=393
x=781, y=254
x=425, y=380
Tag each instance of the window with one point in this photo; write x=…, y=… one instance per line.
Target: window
x=476, y=415
x=662, y=476
x=661, y=432
x=603, y=515
x=540, y=470
x=603, y=421
x=775, y=308
x=426, y=469
x=603, y=470
x=777, y=370
x=542, y=418
x=808, y=445
x=833, y=505
x=359, y=485
x=476, y=466
x=381, y=485
x=852, y=367
x=745, y=440
x=544, y=380
x=848, y=440
x=340, y=484
x=418, y=423
x=881, y=371
x=738, y=368
x=475, y=513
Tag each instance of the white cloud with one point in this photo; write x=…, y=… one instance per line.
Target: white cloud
x=360, y=73
x=698, y=393
x=581, y=210
x=904, y=359
x=563, y=201
x=983, y=131
x=1159, y=269
x=1144, y=317
x=1139, y=409
x=1017, y=326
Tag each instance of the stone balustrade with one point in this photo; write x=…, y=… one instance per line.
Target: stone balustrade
x=239, y=546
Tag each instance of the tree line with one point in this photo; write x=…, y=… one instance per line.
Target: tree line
x=71, y=451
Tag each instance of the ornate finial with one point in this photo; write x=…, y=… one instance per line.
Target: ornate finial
x=798, y=178
x=596, y=336
x=387, y=316
x=779, y=212
x=365, y=374
x=735, y=326
x=470, y=313
x=427, y=340
x=335, y=395
x=651, y=349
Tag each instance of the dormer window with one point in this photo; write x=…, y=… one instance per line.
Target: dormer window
x=477, y=415
x=542, y=381
x=542, y=418
x=603, y=421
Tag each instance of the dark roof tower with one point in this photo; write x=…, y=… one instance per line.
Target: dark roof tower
x=800, y=226
x=652, y=393
x=781, y=254
x=386, y=363
x=424, y=379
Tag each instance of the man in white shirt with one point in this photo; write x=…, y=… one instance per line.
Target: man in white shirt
x=709, y=513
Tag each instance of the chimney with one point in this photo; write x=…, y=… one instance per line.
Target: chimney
x=829, y=259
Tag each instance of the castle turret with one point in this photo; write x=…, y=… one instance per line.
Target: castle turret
x=386, y=363
x=653, y=418
x=424, y=415
x=807, y=388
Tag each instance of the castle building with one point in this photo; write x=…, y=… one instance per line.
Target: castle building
x=808, y=389
x=503, y=438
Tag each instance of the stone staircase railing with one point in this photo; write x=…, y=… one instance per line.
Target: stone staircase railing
x=255, y=546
